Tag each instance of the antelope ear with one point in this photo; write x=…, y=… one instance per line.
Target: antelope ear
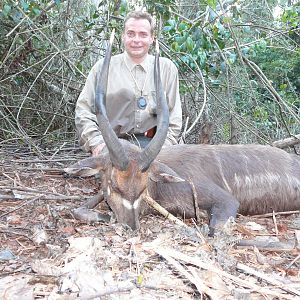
x=88, y=166
x=159, y=172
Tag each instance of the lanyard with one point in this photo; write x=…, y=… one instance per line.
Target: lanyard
x=135, y=81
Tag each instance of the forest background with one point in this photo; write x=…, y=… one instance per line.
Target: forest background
x=238, y=60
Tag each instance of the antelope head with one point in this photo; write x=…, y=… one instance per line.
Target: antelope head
x=126, y=168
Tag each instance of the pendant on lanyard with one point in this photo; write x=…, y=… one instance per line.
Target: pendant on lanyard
x=142, y=103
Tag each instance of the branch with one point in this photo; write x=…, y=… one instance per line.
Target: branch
x=170, y=252
x=163, y=211
x=288, y=142
x=269, y=279
x=204, y=97
x=259, y=73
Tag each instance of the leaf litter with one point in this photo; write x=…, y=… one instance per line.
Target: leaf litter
x=45, y=253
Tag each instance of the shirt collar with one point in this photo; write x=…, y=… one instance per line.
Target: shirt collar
x=144, y=64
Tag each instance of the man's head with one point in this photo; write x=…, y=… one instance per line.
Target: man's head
x=138, y=35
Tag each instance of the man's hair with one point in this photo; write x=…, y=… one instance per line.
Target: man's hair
x=140, y=15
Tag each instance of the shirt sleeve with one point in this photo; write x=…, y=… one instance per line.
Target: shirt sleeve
x=175, y=117
x=85, y=118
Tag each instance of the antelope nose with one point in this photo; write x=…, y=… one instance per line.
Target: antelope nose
x=134, y=224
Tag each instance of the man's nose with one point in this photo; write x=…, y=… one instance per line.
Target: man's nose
x=136, y=38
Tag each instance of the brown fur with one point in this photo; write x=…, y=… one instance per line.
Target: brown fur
x=249, y=179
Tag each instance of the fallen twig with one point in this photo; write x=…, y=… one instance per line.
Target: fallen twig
x=294, y=260
x=20, y=206
x=207, y=266
x=288, y=142
x=119, y=288
x=280, y=213
x=41, y=193
x=163, y=211
x=201, y=287
x=268, y=278
x=275, y=223
x=195, y=198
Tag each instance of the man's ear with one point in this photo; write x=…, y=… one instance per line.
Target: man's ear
x=88, y=166
x=159, y=172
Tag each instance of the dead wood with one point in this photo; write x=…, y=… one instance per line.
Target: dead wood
x=119, y=288
x=198, y=213
x=288, y=142
x=269, y=279
x=281, y=213
x=191, y=276
x=20, y=206
x=163, y=211
x=28, y=192
x=164, y=252
x=294, y=261
x=190, y=267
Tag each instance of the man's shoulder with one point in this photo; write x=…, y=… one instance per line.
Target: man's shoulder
x=117, y=58
x=168, y=64
x=166, y=61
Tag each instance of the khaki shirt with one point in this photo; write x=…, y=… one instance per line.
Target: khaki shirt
x=127, y=81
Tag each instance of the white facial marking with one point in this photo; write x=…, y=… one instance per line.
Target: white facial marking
x=127, y=204
x=130, y=206
x=136, y=203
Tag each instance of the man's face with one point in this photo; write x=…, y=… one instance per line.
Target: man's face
x=137, y=38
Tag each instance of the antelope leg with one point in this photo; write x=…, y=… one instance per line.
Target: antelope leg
x=85, y=214
x=93, y=201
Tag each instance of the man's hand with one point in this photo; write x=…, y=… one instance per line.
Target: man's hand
x=97, y=150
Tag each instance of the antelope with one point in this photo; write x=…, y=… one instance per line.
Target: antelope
x=228, y=179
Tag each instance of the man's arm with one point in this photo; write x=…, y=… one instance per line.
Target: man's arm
x=85, y=118
x=175, y=122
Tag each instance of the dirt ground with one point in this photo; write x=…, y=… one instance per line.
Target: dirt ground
x=46, y=254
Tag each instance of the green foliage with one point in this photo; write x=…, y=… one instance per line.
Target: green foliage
x=161, y=8
x=212, y=3
x=200, y=43
x=42, y=50
x=195, y=45
x=291, y=16
x=12, y=10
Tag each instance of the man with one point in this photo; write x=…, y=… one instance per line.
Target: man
x=131, y=98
